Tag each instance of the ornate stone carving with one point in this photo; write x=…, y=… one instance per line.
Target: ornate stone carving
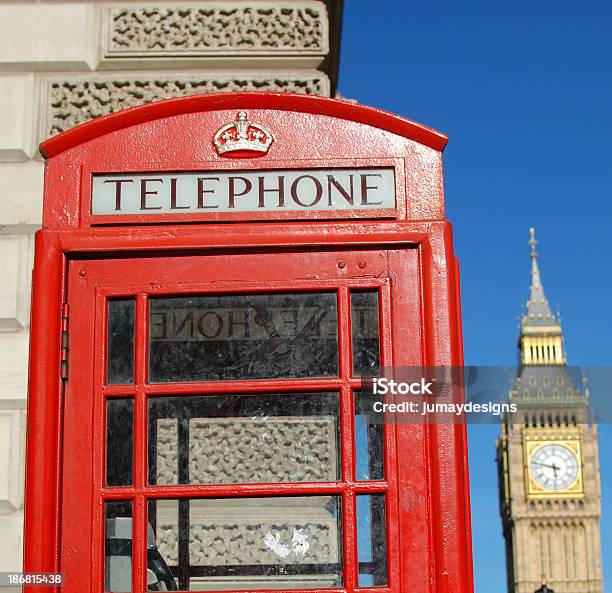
x=167, y=451
x=219, y=545
x=242, y=450
x=281, y=449
x=212, y=29
x=166, y=532
x=252, y=531
x=72, y=101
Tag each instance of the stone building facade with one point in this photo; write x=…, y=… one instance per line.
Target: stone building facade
x=62, y=63
x=548, y=461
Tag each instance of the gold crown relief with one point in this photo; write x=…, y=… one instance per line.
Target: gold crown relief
x=243, y=135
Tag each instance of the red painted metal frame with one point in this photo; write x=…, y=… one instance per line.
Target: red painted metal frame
x=217, y=101
x=177, y=135
x=107, y=279
x=434, y=551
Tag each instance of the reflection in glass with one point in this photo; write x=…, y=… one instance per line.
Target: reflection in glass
x=244, y=439
x=119, y=441
x=369, y=438
x=364, y=327
x=371, y=540
x=118, y=546
x=289, y=542
x=120, y=355
x=159, y=574
x=230, y=337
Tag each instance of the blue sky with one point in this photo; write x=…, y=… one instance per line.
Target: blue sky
x=525, y=94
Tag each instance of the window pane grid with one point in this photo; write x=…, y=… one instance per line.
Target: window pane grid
x=347, y=488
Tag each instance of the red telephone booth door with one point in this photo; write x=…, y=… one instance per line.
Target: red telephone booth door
x=216, y=436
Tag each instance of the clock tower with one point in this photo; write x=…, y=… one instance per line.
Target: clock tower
x=548, y=463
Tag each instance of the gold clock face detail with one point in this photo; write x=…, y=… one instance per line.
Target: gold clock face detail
x=554, y=468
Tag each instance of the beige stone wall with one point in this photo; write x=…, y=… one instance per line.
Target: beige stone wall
x=62, y=63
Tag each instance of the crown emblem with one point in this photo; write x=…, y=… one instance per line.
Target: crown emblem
x=243, y=136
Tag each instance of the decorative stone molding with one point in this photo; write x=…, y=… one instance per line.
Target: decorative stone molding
x=72, y=101
x=167, y=451
x=218, y=545
x=258, y=454
x=213, y=28
x=252, y=531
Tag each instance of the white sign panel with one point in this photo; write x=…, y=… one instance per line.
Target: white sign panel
x=243, y=191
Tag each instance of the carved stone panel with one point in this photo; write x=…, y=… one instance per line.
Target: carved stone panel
x=167, y=451
x=283, y=449
x=240, y=450
x=262, y=531
x=271, y=532
x=213, y=28
x=72, y=101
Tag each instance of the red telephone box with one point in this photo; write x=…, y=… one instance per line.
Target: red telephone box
x=215, y=279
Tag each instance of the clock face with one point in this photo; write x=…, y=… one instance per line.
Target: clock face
x=554, y=467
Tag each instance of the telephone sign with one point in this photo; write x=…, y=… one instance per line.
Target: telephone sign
x=218, y=280
x=305, y=190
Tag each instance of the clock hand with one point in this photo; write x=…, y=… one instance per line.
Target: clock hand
x=545, y=465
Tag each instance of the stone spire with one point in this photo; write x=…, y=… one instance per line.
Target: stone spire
x=541, y=339
x=538, y=313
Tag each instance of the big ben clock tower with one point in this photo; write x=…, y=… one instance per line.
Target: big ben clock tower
x=548, y=464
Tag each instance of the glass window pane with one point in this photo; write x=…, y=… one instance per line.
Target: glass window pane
x=118, y=547
x=162, y=550
x=369, y=438
x=244, y=439
x=256, y=336
x=364, y=327
x=371, y=540
x=119, y=441
x=120, y=357
x=289, y=542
